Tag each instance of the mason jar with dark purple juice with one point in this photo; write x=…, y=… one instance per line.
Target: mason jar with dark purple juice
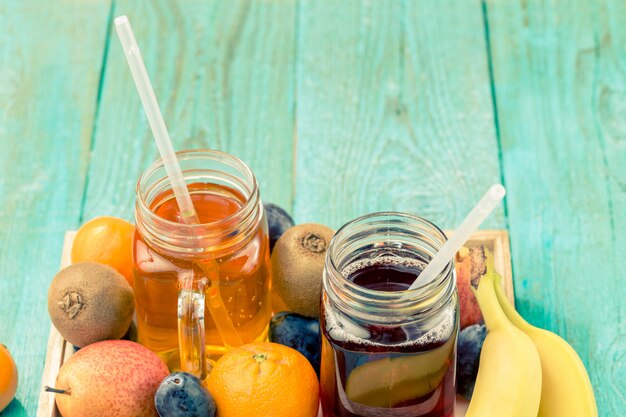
x=387, y=350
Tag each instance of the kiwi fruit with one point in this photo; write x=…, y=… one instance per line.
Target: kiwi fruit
x=89, y=302
x=298, y=265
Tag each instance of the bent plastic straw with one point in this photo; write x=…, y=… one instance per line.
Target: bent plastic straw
x=478, y=214
x=155, y=118
x=217, y=309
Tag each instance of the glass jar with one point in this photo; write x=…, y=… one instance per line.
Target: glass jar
x=387, y=350
x=224, y=260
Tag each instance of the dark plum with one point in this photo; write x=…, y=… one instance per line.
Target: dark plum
x=468, y=357
x=278, y=221
x=183, y=395
x=298, y=332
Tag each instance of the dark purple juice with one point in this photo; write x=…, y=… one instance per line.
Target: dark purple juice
x=405, y=369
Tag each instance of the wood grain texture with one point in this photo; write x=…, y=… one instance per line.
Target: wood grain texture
x=385, y=105
x=223, y=75
x=51, y=57
x=560, y=78
x=394, y=111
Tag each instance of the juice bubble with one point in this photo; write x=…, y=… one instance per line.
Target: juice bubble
x=347, y=329
x=386, y=258
x=342, y=329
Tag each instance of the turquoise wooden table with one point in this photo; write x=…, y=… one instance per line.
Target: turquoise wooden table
x=340, y=108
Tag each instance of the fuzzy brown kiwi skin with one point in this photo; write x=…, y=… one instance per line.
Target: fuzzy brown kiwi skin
x=89, y=302
x=298, y=264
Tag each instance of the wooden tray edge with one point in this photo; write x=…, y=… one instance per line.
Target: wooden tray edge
x=58, y=350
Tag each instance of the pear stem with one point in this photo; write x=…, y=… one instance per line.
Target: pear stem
x=58, y=391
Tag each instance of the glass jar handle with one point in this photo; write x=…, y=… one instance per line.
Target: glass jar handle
x=191, y=342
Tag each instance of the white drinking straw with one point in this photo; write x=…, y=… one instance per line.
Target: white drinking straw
x=216, y=305
x=478, y=214
x=151, y=107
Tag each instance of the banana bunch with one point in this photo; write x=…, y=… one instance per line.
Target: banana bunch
x=524, y=371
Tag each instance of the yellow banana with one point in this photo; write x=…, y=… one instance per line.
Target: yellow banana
x=566, y=390
x=509, y=375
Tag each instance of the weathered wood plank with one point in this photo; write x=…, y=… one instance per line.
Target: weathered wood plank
x=394, y=111
x=51, y=59
x=560, y=79
x=223, y=74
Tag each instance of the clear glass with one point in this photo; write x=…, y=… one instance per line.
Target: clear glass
x=387, y=351
x=221, y=264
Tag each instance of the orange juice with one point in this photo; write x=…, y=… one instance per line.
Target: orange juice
x=232, y=235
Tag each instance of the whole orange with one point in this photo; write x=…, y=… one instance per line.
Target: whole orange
x=264, y=379
x=8, y=377
x=107, y=240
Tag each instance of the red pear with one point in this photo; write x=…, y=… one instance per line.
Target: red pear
x=113, y=378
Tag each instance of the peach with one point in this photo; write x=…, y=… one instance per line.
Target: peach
x=470, y=312
x=113, y=378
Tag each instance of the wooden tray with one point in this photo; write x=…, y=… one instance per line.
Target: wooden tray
x=60, y=351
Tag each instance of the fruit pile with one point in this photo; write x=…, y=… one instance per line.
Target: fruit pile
x=504, y=365
x=520, y=370
x=297, y=267
x=91, y=303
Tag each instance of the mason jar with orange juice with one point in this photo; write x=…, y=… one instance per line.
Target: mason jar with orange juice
x=225, y=257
